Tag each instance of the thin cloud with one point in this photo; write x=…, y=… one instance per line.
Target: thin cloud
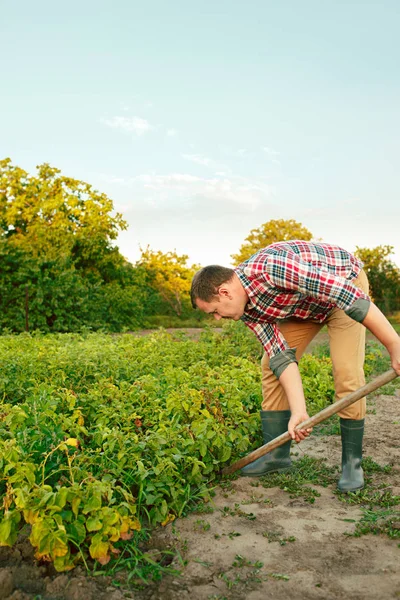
x=172, y=132
x=205, y=161
x=135, y=125
x=199, y=159
x=270, y=151
x=232, y=189
x=272, y=155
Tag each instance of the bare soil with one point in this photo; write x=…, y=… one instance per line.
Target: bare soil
x=307, y=550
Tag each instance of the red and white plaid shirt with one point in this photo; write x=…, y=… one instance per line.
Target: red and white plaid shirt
x=298, y=279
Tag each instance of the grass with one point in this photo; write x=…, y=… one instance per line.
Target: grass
x=297, y=482
x=379, y=522
x=380, y=507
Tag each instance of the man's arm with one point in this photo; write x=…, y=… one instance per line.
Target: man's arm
x=290, y=380
x=378, y=324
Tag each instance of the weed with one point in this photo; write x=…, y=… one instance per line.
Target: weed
x=204, y=563
x=371, y=496
x=306, y=470
x=370, y=466
x=257, y=499
x=385, y=521
x=329, y=427
x=237, y=511
x=203, y=508
x=201, y=525
x=274, y=536
x=240, y=561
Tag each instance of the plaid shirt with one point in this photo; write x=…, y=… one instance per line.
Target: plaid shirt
x=296, y=279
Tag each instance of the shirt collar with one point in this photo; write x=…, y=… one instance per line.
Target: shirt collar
x=248, y=288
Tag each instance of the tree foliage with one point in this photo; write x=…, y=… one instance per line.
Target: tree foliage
x=49, y=213
x=59, y=268
x=276, y=230
x=169, y=276
x=383, y=276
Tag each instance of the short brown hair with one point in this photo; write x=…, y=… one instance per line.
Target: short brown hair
x=206, y=282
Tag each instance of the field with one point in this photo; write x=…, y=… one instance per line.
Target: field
x=110, y=453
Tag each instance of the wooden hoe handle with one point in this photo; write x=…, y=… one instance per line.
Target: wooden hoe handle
x=315, y=420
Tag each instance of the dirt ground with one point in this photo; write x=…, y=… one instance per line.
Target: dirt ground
x=253, y=543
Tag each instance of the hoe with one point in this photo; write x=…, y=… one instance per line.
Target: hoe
x=315, y=420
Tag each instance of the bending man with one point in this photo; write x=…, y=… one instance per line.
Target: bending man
x=285, y=293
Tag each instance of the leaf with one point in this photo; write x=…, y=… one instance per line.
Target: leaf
x=9, y=528
x=77, y=532
x=5, y=532
x=93, y=504
x=72, y=442
x=75, y=502
x=31, y=516
x=169, y=518
x=58, y=544
x=99, y=550
x=93, y=524
x=63, y=563
x=61, y=497
x=226, y=453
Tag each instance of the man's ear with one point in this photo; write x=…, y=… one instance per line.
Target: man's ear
x=224, y=292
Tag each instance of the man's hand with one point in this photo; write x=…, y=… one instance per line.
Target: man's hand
x=301, y=434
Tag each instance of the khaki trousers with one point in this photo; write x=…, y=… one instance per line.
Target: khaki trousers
x=347, y=348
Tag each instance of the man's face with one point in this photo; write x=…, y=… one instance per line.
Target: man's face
x=226, y=305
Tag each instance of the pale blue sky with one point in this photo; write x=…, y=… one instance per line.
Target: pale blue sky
x=204, y=120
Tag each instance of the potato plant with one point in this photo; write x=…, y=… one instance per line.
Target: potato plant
x=101, y=436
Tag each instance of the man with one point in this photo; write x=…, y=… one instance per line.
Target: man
x=285, y=293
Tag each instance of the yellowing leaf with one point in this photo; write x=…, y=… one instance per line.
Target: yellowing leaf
x=93, y=523
x=59, y=548
x=63, y=563
x=39, y=556
x=31, y=516
x=170, y=517
x=72, y=442
x=129, y=523
x=99, y=551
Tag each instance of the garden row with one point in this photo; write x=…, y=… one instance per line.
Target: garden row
x=102, y=436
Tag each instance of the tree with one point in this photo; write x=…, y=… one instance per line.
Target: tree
x=383, y=276
x=169, y=275
x=15, y=268
x=273, y=231
x=49, y=214
x=56, y=253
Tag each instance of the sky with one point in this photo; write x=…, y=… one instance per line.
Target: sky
x=204, y=120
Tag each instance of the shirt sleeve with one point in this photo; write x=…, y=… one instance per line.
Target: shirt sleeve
x=287, y=271
x=274, y=345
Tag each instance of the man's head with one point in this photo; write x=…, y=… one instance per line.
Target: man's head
x=218, y=291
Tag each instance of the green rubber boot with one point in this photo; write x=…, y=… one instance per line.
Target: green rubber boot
x=274, y=423
x=352, y=432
